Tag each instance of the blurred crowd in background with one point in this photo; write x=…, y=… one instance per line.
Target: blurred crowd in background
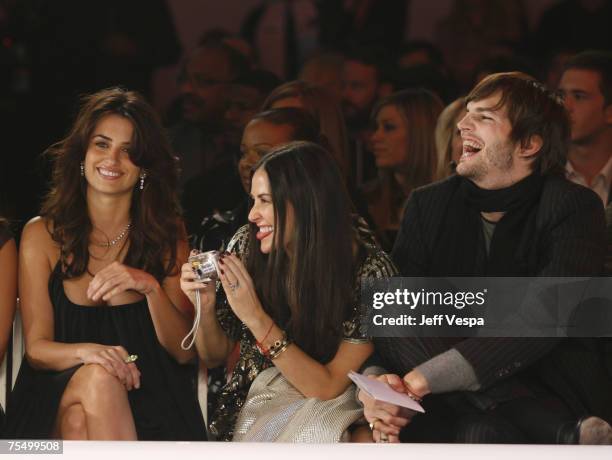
x=51, y=52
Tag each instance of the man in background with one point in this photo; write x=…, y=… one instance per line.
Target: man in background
x=586, y=89
x=365, y=80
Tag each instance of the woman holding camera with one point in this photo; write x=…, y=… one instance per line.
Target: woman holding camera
x=289, y=292
x=102, y=309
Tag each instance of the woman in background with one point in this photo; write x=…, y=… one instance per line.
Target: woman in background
x=263, y=132
x=102, y=308
x=405, y=152
x=448, y=138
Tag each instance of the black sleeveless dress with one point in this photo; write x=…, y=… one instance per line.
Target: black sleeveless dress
x=165, y=407
x=5, y=236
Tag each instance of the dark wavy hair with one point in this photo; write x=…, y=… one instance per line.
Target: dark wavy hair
x=154, y=211
x=532, y=110
x=310, y=292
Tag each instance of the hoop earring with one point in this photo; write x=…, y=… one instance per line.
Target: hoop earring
x=82, y=169
x=142, y=178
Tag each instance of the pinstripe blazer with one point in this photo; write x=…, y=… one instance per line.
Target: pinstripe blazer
x=569, y=240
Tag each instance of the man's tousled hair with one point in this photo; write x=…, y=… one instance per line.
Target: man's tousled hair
x=533, y=110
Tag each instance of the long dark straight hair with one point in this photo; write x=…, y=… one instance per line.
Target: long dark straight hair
x=308, y=287
x=154, y=211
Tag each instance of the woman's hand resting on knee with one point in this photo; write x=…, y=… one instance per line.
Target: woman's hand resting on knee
x=112, y=358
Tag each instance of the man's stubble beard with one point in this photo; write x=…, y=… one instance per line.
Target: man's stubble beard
x=498, y=156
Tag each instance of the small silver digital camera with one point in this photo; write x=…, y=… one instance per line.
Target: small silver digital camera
x=205, y=265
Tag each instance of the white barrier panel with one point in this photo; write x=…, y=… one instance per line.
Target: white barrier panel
x=92, y=450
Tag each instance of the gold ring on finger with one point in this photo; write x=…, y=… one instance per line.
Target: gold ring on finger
x=383, y=437
x=372, y=424
x=130, y=359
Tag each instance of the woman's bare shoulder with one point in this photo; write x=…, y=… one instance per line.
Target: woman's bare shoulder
x=37, y=228
x=37, y=235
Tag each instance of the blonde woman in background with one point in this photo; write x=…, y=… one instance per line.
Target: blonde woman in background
x=448, y=138
x=405, y=151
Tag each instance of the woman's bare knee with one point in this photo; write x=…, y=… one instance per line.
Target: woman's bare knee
x=103, y=401
x=73, y=423
x=92, y=386
x=98, y=384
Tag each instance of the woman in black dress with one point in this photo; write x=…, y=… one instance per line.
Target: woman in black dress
x=8, y=284
x=102, y=309
x=8, y=290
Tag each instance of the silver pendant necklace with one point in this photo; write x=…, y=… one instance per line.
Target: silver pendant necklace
x=118, y=238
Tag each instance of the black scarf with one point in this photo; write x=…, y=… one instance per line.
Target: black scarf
x=461, y=248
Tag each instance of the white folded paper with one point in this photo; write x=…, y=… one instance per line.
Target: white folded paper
x=383, y=392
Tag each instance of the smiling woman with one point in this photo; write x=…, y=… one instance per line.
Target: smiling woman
x=102, y=308
x=448, y=138
x=262, y=214
x=107, y=164
x=289, y=294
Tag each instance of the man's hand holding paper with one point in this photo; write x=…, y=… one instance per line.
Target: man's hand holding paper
x=387, y=406
x=386, y=389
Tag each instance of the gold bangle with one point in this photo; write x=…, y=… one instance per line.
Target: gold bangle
x=278, y=346
x=281, y=350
